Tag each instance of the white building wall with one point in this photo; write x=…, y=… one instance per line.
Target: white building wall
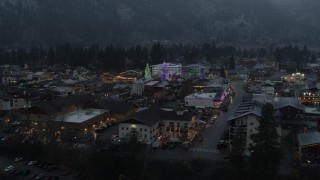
x=144, y=133
x=199, y=102
x=181, y=124
x=252, y=126
x=172, y=68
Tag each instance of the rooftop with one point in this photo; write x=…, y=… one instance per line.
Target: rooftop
x=246, y=108
x=151, y=83
x=309, y=138
x=281, y=102
x=81, y=115
x=201, y=95
x=152, y=116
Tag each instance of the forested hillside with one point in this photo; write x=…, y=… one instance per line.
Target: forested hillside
x=46, y=22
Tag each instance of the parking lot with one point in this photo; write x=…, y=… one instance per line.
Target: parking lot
x=35, y=170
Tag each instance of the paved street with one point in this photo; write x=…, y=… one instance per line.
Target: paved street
x=213, y=132
x=212, y=135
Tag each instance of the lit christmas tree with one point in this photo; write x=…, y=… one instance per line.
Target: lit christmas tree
x=147, y=72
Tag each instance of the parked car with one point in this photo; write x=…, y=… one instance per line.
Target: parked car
x=8, y=168
x=17, y=159
x=4, y=138
x=212, y=121
x=200, y=139
x=18, y=173
x=67, y=173
x=172, y=146
x=12, y=171
x=31, y=163
x=26, y=172
x=51, y=167
x=164, y=145
x=40, y=176
x=221, y=146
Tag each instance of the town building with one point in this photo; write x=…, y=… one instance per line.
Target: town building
x=309, y=148
x=63, y=119
x=150, y=124
x=246, y=120
x=207, y=100
x=119, y=109
x=138, y=86
x=290, y=111
x=172, y=69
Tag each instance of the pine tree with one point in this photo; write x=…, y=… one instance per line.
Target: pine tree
x=222, y=73
x=265, y=149
x=237, y=155
x=147, y=72
x=232, y=63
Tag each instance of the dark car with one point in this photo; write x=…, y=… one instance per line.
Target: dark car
x=18, y=173
x=172, y=146
x=67, y=173
x=221, y=146
x=12, y=171
x=200, y=139
x=225, y=109
x=26, y=172
x=164, y=146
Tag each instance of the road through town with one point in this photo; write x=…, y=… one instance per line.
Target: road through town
x=212, y=135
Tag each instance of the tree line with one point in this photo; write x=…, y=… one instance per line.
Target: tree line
x=112, y=57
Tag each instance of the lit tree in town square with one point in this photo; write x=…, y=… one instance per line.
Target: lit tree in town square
x=147, y=72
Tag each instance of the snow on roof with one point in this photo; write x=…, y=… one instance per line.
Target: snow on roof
x=281, y=102
x=61, y=89
x=309, y=138
x=69, y=81
x=39, y=73
x=245, y=109
x=81, y=115
x=151, y=83
x=201, y=95
x=310, y=110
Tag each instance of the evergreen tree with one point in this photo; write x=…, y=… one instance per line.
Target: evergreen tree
x=147, y=72
x=156, y=53
x=222, y=72
x=313, y=58
x=265, y=154
x=278, y=55
x=244, y=53
x=232, y=63
x=237, y=156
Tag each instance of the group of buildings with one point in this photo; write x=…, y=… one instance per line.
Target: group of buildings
x=63, y=103
x=296, y=108
x=67, y=104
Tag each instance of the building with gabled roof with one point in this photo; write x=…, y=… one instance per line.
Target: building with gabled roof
x=49, y=119
x=290, y=110
x=309, y=148
x=119, y=109
x=149, y=124
x=246, y=120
